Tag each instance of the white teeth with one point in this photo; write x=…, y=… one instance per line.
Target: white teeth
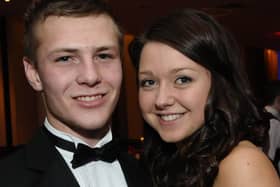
x=170, y=117
x=89, y=98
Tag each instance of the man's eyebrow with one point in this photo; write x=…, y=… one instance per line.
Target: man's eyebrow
x=105, y=48
x=74, y=50
x=69, y=50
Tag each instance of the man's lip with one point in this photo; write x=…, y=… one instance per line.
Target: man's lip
x=89, y=98
x=90, y=101
x=88, y=95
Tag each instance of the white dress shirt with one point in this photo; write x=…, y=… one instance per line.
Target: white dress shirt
x=274, y=133
x=95, y=173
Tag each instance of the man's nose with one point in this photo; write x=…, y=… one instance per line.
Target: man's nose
x=89, y=73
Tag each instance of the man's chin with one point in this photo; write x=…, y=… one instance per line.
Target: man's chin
x=91, y=132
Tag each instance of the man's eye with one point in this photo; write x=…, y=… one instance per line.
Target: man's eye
x=147, y=83
x=104, y=56
x=63, y=59
x=183, y=80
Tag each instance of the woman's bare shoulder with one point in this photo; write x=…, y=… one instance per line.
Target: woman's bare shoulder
x=246, y=165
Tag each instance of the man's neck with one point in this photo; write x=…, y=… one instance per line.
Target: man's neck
x=87, y=137
x=273, y=111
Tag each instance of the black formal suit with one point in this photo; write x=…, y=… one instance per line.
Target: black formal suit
x=39, y=164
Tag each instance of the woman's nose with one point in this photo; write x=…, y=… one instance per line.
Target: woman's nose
x=164, y=97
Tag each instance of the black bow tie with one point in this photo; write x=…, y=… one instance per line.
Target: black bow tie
x=84, y=154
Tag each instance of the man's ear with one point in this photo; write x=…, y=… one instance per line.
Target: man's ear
x=32, y=75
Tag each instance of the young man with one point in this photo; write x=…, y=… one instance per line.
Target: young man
x=73, y=58
x=272, y=101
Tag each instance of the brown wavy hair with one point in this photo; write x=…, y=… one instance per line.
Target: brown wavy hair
x=230, y=113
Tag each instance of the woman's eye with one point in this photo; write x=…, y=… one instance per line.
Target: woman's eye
x=147, y=83
x=183, y=80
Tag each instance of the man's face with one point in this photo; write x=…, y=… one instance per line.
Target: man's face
x=79, y=72
x=276, y=104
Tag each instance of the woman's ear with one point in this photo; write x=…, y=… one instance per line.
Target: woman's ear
x=32, y=74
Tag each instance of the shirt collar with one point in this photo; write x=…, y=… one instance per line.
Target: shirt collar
x=66, y=136
x=273, y=111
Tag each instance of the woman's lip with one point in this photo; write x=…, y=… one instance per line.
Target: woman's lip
x=171, y=116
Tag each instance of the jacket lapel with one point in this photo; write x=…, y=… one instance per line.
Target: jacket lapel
x=134, y=173
x=44, y=160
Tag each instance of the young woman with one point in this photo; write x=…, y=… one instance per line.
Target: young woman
x=206, y=130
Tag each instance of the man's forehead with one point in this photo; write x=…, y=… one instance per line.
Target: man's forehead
x=58, y=28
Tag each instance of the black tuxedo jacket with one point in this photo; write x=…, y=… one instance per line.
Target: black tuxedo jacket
x=39, y=164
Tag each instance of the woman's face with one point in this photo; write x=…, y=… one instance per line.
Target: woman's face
x=173, y=91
